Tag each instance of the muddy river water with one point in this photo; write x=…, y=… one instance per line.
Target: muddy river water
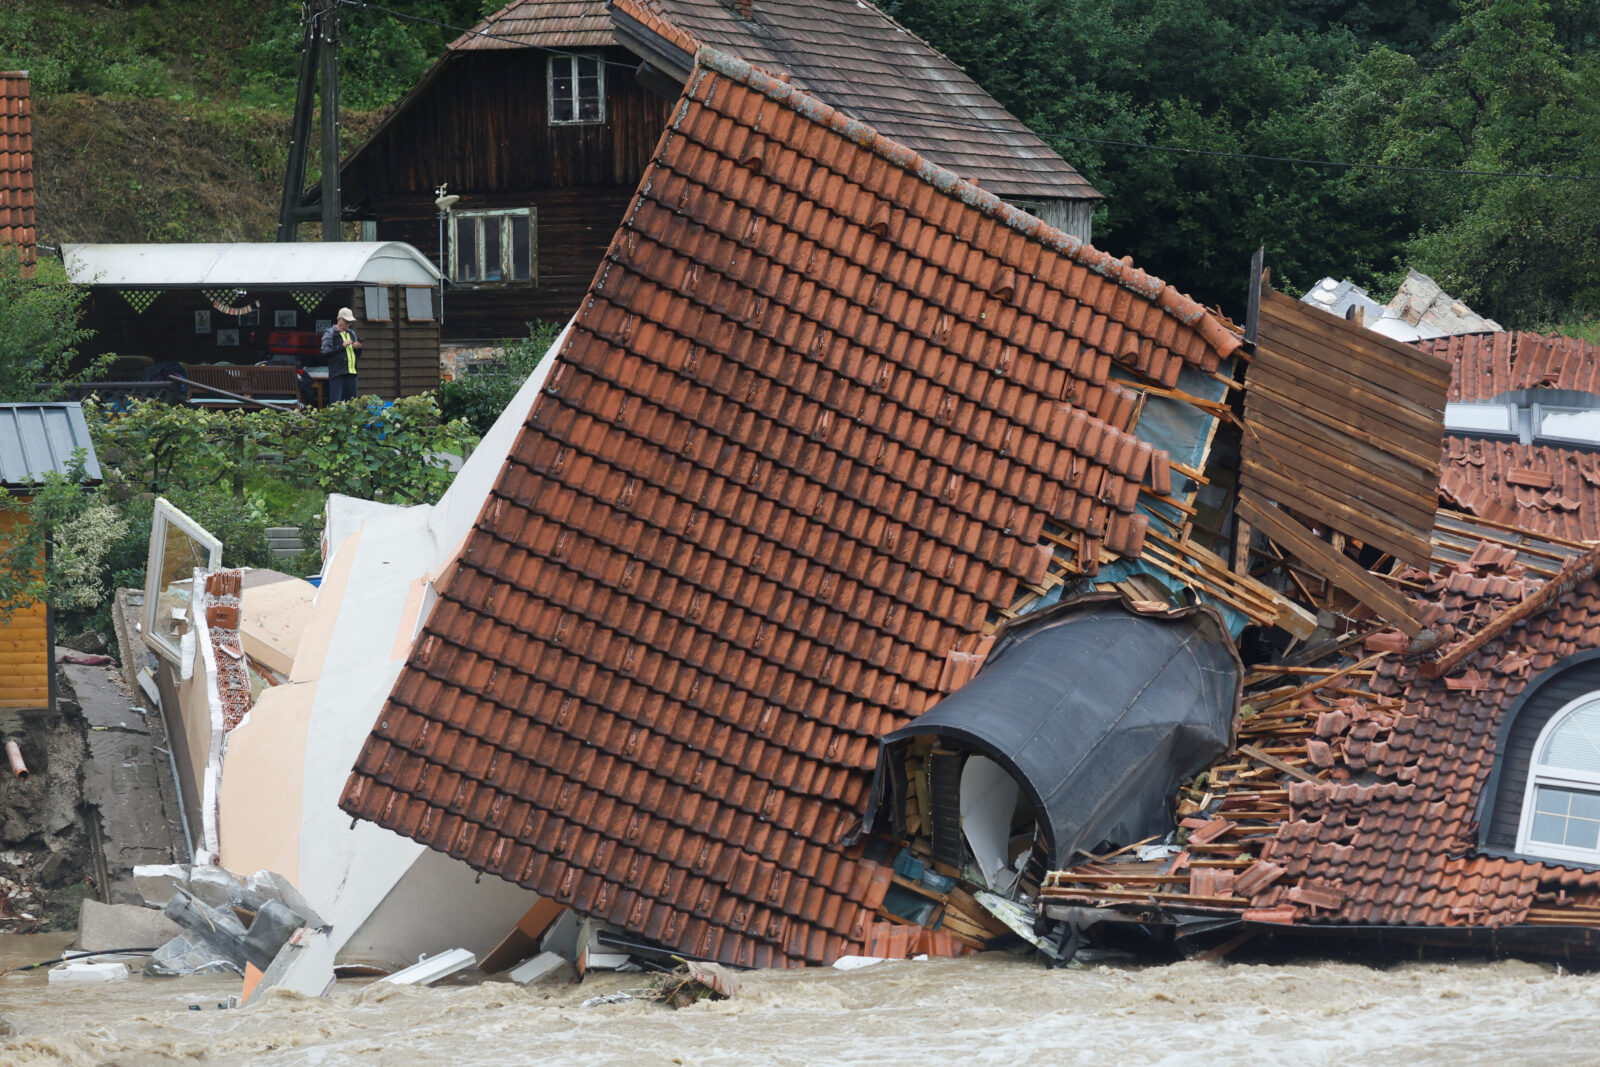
x=993, y=1009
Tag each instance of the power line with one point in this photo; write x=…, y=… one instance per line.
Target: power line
x=922, y=118
x=1463, y=172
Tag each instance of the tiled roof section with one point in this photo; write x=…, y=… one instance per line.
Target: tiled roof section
x=864, y=63
x=541, y=24
x=16, y=164
x=1487, y=365
x=1399, y=849
x=805, y=437
x=1546, y=489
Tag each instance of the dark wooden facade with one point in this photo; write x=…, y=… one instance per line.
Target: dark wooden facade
x=399, y=357
x=480, y=124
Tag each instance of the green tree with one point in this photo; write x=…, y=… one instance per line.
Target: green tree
x=39, y=329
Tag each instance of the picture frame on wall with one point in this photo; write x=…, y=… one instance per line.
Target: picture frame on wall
x=227, y=338
x=251, y=317
x=323, y=325
x=286, y=320
x=202, y=321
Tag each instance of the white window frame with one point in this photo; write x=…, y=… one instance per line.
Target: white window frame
x=502, y=217
x=570, y=61
x=165, y=519
x=1558, y=778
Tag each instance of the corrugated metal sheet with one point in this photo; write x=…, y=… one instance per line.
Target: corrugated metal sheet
x=246, y=265
x=16, y=164
x=39, y=439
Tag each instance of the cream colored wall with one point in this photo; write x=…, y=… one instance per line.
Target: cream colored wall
x=272, y=620
x=263, y=775
x=260, y=805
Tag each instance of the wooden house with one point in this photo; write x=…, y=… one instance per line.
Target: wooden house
x=543, y=118
x=36, y=440
x=161, y=305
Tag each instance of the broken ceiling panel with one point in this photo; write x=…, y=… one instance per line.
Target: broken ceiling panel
x=811, y=423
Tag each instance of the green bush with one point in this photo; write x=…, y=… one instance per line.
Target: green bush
x=480, y=398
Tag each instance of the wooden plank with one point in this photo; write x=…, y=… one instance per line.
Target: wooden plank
x=1346, y=403
x=1414, y=506
x=1285, y=352
x=1410, y=545
x=1367, y=345
x=1273, y=405
x=1277, y=764
x=1338, y=569
x=1415, y=462
x=1332, y=391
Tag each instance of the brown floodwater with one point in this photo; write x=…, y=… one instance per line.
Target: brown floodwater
x=998, y=1009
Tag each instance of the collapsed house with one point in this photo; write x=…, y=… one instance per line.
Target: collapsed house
x=1419, y=310
x=1437, y=787
x=827, y=411
x=865, y=568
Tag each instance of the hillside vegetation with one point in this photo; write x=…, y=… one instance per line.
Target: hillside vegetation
x=168, y=121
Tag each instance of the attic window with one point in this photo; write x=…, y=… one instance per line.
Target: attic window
x=577, y=89
x=1561, y=807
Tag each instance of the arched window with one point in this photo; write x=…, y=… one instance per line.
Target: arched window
x=1561, y=806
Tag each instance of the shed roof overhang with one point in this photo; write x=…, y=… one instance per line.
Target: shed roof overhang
x=248, y=265
x=37, y=440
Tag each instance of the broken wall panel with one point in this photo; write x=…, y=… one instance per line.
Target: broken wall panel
x=1345, y=427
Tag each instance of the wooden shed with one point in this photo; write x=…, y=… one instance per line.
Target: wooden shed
x=247, y=303
x=35, y=440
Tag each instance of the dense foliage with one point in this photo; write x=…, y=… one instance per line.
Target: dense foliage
x=233, y=472
x=480, y=397
x=1491, y=85
x=39, y=329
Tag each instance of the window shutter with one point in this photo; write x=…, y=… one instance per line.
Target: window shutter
x=419, y=304
x=377, y=297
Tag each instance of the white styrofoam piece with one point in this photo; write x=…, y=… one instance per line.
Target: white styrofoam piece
x=434, y=968
x=88, y=972
x=541, y=966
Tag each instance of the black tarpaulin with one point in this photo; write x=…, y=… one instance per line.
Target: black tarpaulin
x=1097, y=707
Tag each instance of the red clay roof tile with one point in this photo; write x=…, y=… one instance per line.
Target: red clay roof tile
x=748, y=517
x=16, y=165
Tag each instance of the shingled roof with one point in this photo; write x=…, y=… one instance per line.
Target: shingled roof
x=542, y=24
x=848, y=53
x=1540, y=487
x=861, y=61
x=16, y=164
x=811, y=422
x=1400, y=848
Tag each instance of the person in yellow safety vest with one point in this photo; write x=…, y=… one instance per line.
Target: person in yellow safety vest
x=339, y=345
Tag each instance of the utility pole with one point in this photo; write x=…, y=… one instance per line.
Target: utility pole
x=319, y=54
